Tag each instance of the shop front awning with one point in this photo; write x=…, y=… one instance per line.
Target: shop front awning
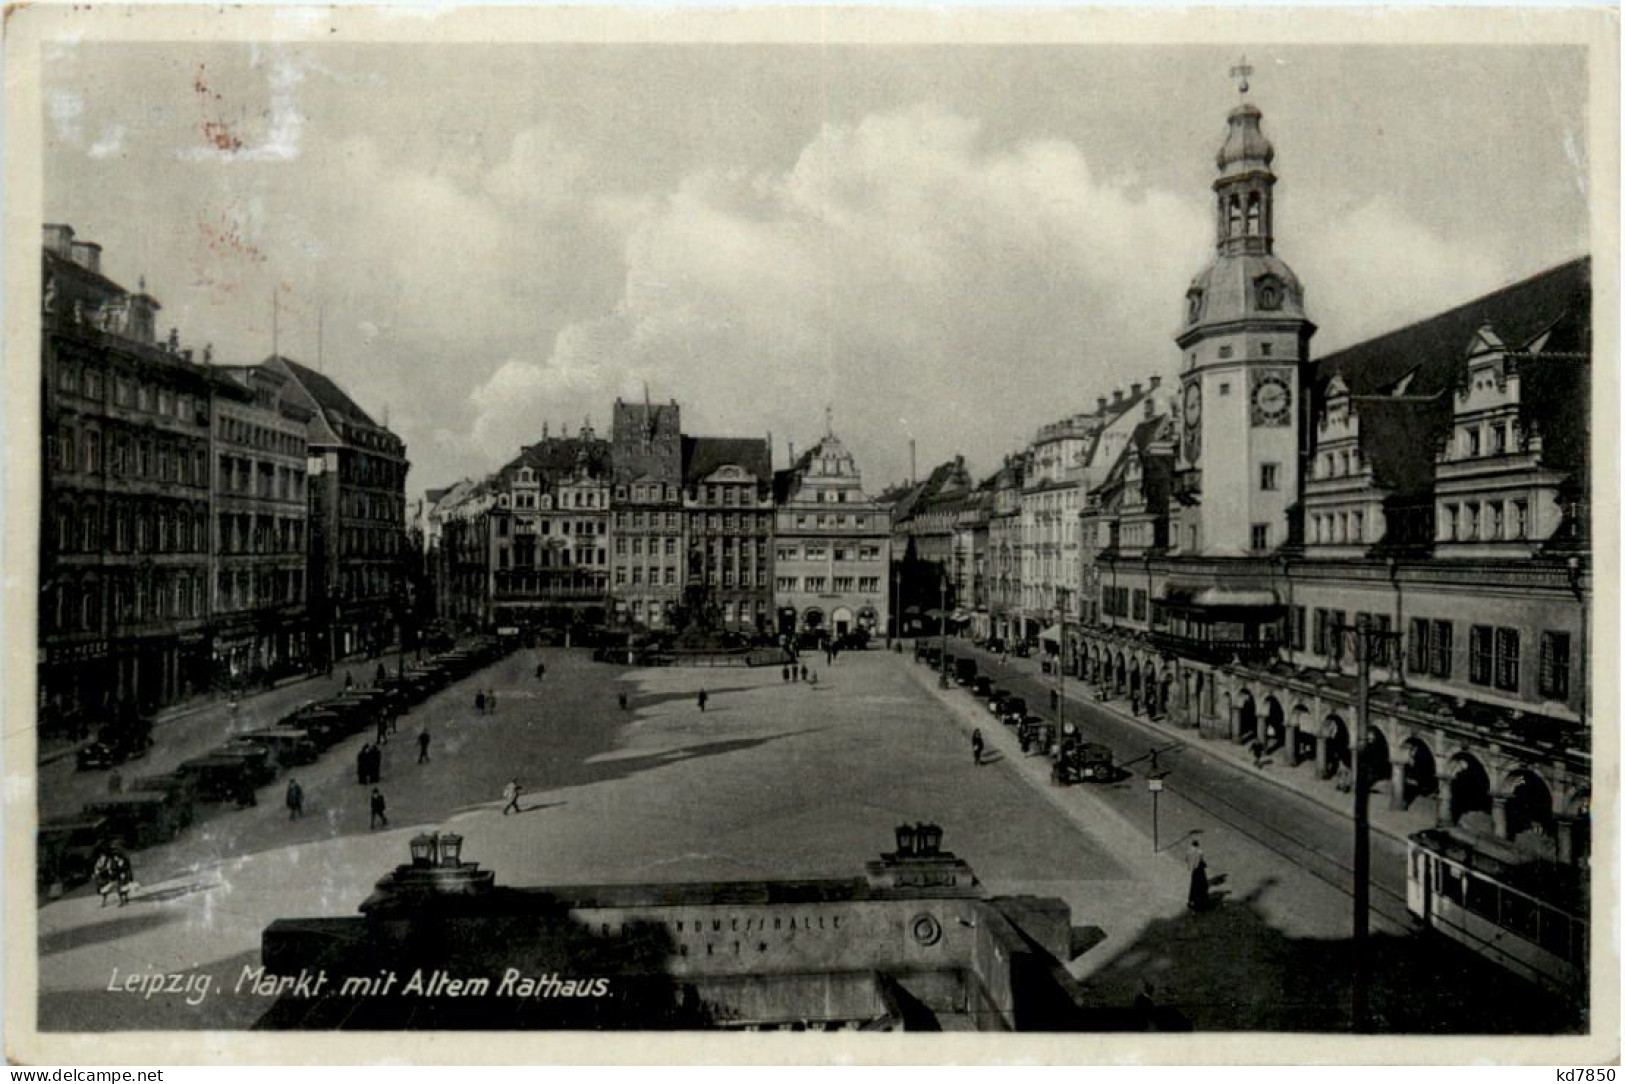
x=1052, y=634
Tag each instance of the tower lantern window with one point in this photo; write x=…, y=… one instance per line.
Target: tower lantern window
x=1254, y=214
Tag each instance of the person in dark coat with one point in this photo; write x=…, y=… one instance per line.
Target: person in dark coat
x=378, y=817
x=976, y=746
x=423, y=746
x=296, y=800
x=803, y=671
x=363, y=765
x=702, y=698
x=1197, y=862
x=784, y=672
x=349, y=681
x=383, y=730
x=375, y=765
x=623, y=701
x=379, y=675
x=479, y=702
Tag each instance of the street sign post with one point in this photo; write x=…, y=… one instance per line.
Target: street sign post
x=1154, y=785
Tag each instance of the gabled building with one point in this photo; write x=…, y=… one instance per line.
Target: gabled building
x=728, y=531
x=647, y=561
x=357, y=484
x=832, y=546
x=1429, y=484
x=549, y=534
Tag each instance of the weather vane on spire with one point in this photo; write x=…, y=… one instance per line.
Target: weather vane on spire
x=829, y=420
x=1242, y=71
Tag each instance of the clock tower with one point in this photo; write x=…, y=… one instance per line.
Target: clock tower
x=1245, y=344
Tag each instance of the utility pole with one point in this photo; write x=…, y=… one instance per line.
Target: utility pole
x=942, y=624
x=1367, y=641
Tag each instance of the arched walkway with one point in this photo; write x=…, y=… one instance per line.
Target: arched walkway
x=1334, y=750
x=1305, y=741
x=1419, y=774
x=1466, y=801
x=1378, y=762
x=1529, y=807
x=1274, y=724
x=1246, y=718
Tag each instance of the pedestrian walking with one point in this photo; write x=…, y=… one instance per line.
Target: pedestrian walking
x=541, y=670
x=479, y=702
x=114, y=874
x=423, y=746
x=803, y=671
x=383, y=730
x=295, y=800
x=622, y=698
x=375, y=765
x=510, y=794
x=1257, y=750
x=379, y=676
x=378, y=817
x=1196, y=861
x=784, y=672
x=976, y=746
x=363, y=765
x=349, y=681
x=702, y=698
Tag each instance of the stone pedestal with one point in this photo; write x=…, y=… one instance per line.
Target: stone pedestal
x=1291, y=746
x=1396, y=786
x=1447, y=811
x=1498, y=816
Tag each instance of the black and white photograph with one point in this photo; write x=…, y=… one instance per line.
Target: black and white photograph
x=832, y=524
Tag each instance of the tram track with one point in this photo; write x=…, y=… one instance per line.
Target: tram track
x=1387, y=903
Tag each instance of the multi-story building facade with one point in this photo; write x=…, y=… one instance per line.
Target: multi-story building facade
x=549, y=534
x=832, y=546
x=260, y=518
x=968, y=566
x=356, y=473
x=1429, y=483
x=648, y=554
x=728, y=531
x=124, y=541
x=460, y=553
x=1005, y=550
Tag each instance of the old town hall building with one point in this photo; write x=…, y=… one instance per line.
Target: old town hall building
x=1430, y=483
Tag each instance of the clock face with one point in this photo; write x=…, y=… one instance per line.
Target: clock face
x=1193, y=403
x=1272, y=399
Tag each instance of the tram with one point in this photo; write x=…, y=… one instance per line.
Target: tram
x=1529, y=916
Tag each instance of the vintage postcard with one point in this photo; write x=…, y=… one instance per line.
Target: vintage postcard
x=1093, y=530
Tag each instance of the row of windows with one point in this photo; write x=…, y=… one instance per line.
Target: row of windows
x=743, y=521
x=657, y=576
x=1339, y=527
x=245, y=589
x=814, y=551
x=1124, y=602
x=1493, y=438
x=838, y=520
x=129, y=393
x=241, y=431
x=645, y=493
x=636, y=546
x=743, y=495
x=840, y=585
x=526, y=557
x=89, y=606
x=258, y=478
x=525, y=499
x=127, y=456
x=1491, y=520
x=355, y=504
x=244, y=533
x=1338, y=464
x=364, y=583
x=125, y=529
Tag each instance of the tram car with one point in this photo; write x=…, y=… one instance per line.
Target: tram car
x=1528, y=915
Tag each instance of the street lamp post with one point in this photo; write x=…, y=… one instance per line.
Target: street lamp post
x=942, y=625
x=1367, y=640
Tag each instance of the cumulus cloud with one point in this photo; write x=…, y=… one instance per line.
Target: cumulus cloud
x=902, y=266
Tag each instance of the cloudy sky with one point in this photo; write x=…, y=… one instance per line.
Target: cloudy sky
x=955, y=243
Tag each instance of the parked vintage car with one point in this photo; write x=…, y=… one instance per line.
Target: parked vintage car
x=138, y=818
x=964, y=671
x=287, y=746
x=1014, y=710
x=66, y=848
x=225, y=777
x=1083, y=762
x=982, y=686
x=115, y=743
x=180, y=787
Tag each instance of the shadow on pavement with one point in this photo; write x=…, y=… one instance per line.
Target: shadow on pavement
x=114, y=929
x=1227, y=968
x=640, y=701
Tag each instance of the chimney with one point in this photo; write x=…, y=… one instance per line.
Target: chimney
x=1100, y=405
x=1117, y=396
x=59, y=239
x=792, y=446
x=1156, y=382
x=88, y=254
x=1135, y=388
